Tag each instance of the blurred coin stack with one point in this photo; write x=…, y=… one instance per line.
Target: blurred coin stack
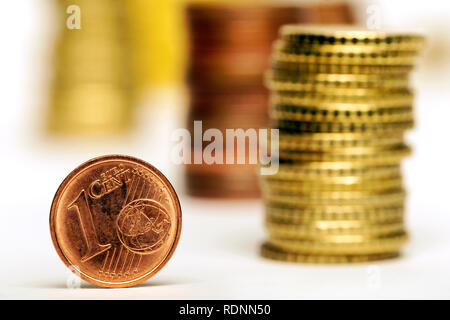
x=157, y=39
x=342, y=102
x=91, y=88
x=230, y=46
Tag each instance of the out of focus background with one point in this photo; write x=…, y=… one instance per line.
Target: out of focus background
x=139, y=69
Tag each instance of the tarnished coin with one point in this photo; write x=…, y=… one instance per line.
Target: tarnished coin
x=115, y=221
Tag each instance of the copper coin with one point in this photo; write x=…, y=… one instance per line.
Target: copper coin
x=115, y=221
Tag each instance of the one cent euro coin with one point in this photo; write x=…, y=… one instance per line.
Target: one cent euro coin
x=115, y=221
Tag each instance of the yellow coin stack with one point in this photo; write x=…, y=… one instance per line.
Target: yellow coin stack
x=342, y=102
x=92, y=89
x=157, y=38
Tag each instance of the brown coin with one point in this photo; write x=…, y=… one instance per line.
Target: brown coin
x=115, y=220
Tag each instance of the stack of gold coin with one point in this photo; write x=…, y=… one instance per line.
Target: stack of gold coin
x=91, y=88
x=230, y=47
x=342, y=102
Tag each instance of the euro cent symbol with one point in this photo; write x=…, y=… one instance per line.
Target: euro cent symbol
x=80, y=204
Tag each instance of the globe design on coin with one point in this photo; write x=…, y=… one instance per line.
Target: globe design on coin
x=143, y=226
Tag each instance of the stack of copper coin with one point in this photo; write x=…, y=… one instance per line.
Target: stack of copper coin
x=230, y=48
x=342, y=102
x=91, y=87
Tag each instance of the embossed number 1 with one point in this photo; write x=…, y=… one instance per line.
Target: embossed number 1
x=87, y=227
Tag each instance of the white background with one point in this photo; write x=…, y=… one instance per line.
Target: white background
x=218, y=253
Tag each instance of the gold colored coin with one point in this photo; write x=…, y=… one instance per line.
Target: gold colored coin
x=345, y=34
x=342, y=244
x=329, y=142
x=298, y=68
x=345, y=103
x=298, y=85
x=331, y=184
x=370, y=155
x=344, y=198
x=335, y=80
x=391, y=58
x=312, y=114
x=331, y=127
x=271, y=252
x=321, y=227
x=301, y=214
x=339, y=93
x=357, y=49
x=301, y=170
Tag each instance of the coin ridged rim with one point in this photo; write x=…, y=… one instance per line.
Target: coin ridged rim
x=312, y=213
x=355, y=180
x=346, y=93
x=350, y=59
x=337, y=138
x=343, y=103
x=330, y=127
x=335, y=240
x=328, y=198
x=295, y=84
x=327, y=228
x=333, y=169
x=319, y=114
x=326, y=32
x=333, y=77
x=292, y=46
x=322, y=195
x=325, y=224
x=373, y=152
x=330, y=245
x=267, y=251
x=274, y=186
x=313, y=114
x=299, y=231
x=293, y=142
x=380, y=157
x=295, y=67
x=384, y=215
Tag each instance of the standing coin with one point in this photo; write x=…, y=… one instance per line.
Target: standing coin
x=115, y=220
